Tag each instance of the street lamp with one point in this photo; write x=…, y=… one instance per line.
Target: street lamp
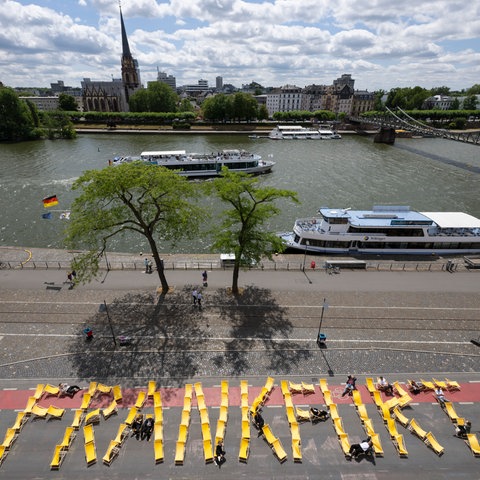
x=321, y=337
x=307, y=243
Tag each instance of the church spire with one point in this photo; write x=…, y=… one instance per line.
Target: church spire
x=125, y=45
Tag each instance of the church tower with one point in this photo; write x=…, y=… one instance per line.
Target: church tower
x=130, y=71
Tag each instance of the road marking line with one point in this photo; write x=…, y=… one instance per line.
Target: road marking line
x=14, y=389
x=465, y=403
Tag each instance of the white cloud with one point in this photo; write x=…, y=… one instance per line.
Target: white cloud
x=380, y=42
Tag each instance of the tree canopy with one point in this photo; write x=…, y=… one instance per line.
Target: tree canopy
x=239, y=106
x=136, y=197
x=243, y=229
x=67, y=102
x=18, y=119
x=157, y=97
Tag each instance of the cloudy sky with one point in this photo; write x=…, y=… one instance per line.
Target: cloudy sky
x=382, y=43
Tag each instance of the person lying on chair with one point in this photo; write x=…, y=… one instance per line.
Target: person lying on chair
x=319, y=414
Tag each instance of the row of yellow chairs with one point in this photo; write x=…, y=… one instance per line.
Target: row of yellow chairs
x=205, y=422
x=292, y=420
x=245, y=440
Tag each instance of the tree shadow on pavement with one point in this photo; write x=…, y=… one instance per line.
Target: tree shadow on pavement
x=260, y=329
x=162, y=341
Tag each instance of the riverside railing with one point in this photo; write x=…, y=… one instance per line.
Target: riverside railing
x=380, y=266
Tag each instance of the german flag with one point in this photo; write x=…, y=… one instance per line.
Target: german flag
x=50, y=201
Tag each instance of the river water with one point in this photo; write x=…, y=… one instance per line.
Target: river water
x=429, y=174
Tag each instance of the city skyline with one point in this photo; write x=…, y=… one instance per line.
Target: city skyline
x=428, y=43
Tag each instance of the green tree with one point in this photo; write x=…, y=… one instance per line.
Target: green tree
x=186, y=106
x=217, y=108
x=470, y=103
x=16, y=120
x=262, y=112
x=245, y=107
x=57, y=124
x=67, y=103
x=243, y=231
x=158, y=97
x=455, y=104
x=133, y=197
x=440, y=91
x=474, y=89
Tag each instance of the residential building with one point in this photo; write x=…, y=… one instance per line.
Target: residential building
x=284, y=99
x=170, y=80
x=43, y=104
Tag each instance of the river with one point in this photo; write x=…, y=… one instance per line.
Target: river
x=429, y=174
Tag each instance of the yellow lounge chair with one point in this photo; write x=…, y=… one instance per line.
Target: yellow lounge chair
x=88, y=434
x=245, y=429
x=427, y=385
x=400, y=417
x=58, y=456
x=377, y=398
x=357, y=397
x=206, y=433
x=158, y=414
x=9, y=439
x=87, y=398
x=208, y=450
x=68, y=438
x=303, y=415
x=111, y=453
x=158, y=431
x=377, y=445
x=92, y=389
x=345, y=444
x=19, y=421
x=440, y=384
x=400, y=445
x=187, y=404
x=473, y=444
x=158, y=449
x=244, y=450
x=152, y=386
x=385, y=412
x=204, y=416
x=185, y=420
x=370, y=385
x=392, y=428
x=288, y=400
x=279, y=451
x=404, y=400
x=122, y=433
x=39, y=411
x=224, y=400
x=296, y=451
x=399, y=389
x=450, y=411
x=267, y=433
x=284, y=387
x=51, y=390
x=92, y=417
x=103, y=389
x=30, y=404
x=432, y=442
x=334, y=411
x=368, y=426
x=295, y=431
x=269, y=384
x=223, y=415
x=179, y=453
x=182, y=434
x=416, y=429
x=362, y=412
x=77, y=419
x=141, y=397
x=295, y=387
x=390, y=404
x=38, y=391
x=327, y=396
x=220, y=432
x=157, y=399
x=323, y=385
x=224, y=387
x=291, y=417
x=90, y=453
x=55, y=412
x=338, y=426
x=201, y=405
x=308, y=388
x=117, y=393
x=110, y=410
x=132, y=413
x=188, y=391
x=452, y=385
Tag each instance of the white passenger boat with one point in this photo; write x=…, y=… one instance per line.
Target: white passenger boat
x=327, y=133
x=293, y=132
x=386, y=230
x=200, y=165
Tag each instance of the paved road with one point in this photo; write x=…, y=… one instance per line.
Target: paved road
x=397, y=324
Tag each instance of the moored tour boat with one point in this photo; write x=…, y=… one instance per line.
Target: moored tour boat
x=386, y=230
x=199, y=165
x=293, y=132
x=327, y=133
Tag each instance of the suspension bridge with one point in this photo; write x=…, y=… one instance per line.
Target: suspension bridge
x=401, y=120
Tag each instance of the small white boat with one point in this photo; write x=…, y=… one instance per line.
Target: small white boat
x=200, y=165
x=327, y=133
x=386, y=230
x=293, y=132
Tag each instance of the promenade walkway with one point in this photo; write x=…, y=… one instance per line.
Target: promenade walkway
x=398, y=324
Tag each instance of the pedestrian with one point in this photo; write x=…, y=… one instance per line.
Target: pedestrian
x=350, y=386
x=70, y=277
x=220, y=454
x=205, y=278
x=74, y=275
x=146, y=265
x=137, y=426
x=147, y=429
x=88, y=333
x=199, y=299
x=149, y=266
x=195, y=296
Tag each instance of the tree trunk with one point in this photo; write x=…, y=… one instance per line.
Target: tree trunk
x=236, y=271
x=159, y=265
